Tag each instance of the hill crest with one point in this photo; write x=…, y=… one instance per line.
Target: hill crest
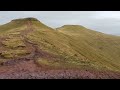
x=26, y=19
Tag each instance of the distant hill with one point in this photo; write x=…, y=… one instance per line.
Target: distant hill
x=67, y=47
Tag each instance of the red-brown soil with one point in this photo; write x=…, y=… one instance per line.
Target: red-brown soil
x=29, y=70
x=25, y=67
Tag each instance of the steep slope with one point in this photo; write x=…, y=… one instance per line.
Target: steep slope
x=27, y=43
x=100, y=49
x=29, y=39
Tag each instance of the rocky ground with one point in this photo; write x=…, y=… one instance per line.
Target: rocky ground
x=29, y=70
x=26, y=68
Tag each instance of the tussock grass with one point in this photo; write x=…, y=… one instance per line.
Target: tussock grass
x=75, y=46
x=10, y=54
x=13, y=43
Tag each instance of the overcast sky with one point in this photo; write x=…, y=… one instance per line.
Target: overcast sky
x=103, y=21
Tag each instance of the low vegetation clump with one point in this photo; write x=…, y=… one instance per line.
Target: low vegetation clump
x=13, y=43
x=75, y=46
x=10, y=54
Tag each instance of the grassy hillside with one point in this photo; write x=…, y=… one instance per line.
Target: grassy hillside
x=97, y=47
x=70, y=46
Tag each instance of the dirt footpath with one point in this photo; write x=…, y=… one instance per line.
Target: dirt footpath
x=29, y=70
x=25, y=67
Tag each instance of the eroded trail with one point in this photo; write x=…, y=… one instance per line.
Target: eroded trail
x=25, y=67
x=29, y=46
x=25, y=63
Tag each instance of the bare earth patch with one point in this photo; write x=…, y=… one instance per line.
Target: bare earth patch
x=25, y=67
x=29, y=70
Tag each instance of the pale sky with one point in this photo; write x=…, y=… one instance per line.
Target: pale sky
x=103, y=21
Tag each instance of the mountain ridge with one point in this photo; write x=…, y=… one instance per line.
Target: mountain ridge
x=31, y=43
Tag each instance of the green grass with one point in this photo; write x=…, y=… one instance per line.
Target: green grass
x=10, y=26
x=72, y=40
x=10, y=54
x=13, y=43
x=56, y=64
x=75, y=46
x=89, y=43
x=46, y=62
x=69, y=64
